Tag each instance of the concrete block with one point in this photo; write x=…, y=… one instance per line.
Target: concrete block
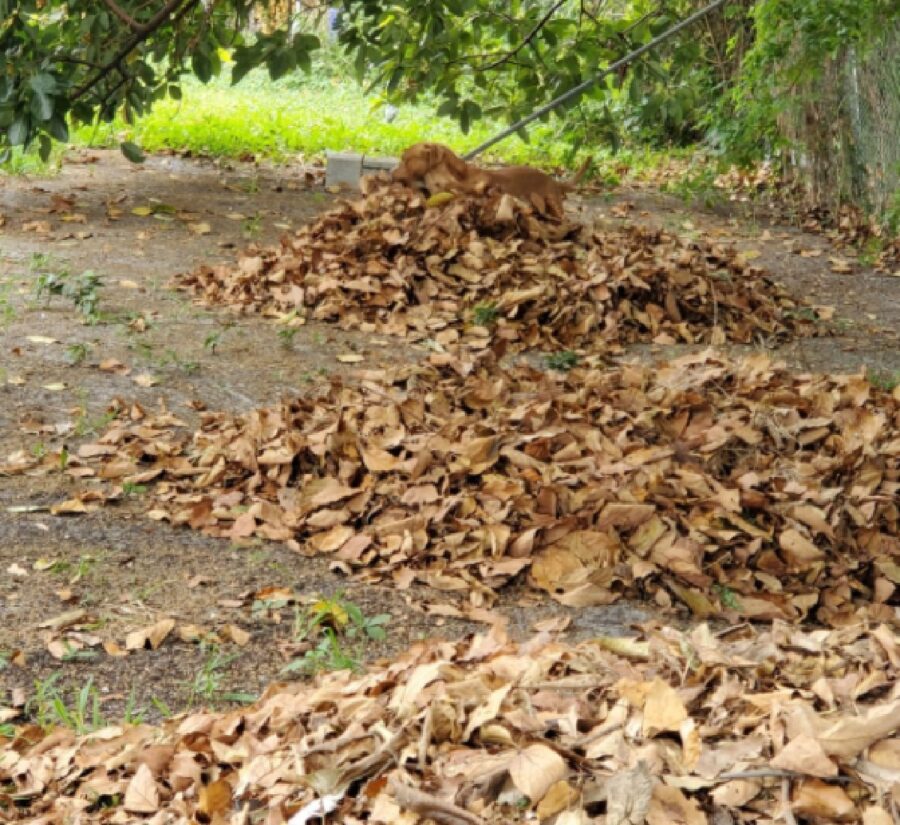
x=372, y=164
x=343, y=169
x=346, y=168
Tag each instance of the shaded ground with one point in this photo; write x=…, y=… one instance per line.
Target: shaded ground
x=152, y=345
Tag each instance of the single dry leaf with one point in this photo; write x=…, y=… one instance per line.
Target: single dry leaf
x=560, y=796
x=804, y=754
x=142, y=793
x=849, y=736
x=663, y=709
x=669, y=806
x=214, y=798
x=153, y=635
x=145, y=379
x=628, y=796
x=818, y=800
x=876, y=816
x=535, y=770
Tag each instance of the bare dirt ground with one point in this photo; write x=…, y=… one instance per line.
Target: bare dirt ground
x=58, y=376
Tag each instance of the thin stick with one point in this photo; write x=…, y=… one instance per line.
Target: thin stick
x=786, y=810
x=431, y=807
x=583, y=87
x=776, y=773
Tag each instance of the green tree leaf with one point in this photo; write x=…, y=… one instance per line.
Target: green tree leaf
x=133, y=152
x=18, y=133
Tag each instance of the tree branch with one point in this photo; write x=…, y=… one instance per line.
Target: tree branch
x=139, y=37
x=528, y=37
x=124, y=16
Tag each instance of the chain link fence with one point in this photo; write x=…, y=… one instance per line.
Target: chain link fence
x=849, y=129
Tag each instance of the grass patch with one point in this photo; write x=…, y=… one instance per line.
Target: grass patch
x=29, y=162
x=304, y=115
x=300, y=116
x=883, y=380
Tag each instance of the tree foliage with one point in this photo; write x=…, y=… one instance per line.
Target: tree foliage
x=505, y=59
x=81, y=60
x=728, y=78
x=794, y=42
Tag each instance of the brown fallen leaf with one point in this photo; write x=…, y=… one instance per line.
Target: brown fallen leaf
x=153, y=635
x=142, y=794
x=819, y=800
x=628, y=796
x=805, y=755
x=535, y=769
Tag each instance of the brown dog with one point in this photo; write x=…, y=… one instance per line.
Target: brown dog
x=439, y=169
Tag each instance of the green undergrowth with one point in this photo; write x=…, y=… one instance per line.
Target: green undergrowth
x=301, y=116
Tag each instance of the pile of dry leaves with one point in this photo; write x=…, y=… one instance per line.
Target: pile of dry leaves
x=668, y=729
x=481, y=270
x=722, y=485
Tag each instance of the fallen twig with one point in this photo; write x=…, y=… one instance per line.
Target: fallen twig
x=444, y=813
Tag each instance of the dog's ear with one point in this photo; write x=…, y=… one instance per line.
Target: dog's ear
x=456, y=165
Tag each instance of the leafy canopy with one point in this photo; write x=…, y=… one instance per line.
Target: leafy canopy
x=83, y=60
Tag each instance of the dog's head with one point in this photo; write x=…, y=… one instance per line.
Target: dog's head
x=420, y=158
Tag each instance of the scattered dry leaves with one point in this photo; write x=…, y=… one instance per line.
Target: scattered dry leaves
x=488, y=731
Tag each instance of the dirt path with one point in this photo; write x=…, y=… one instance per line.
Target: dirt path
x=58, y=375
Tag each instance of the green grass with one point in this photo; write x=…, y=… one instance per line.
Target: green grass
x=304, y=116
x=301, y=116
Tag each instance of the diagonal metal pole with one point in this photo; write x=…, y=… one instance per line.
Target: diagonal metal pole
x=583, y=87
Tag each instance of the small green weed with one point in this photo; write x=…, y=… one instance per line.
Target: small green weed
x=76, y=353
x=250, y=186
x=339, y=630
x=48, y=706
x=727, y=596
x=803, y=314
x=129, y=489
x=562, y=361
x=882, y=380
x=7, y=310
x=212, y=341
x=207, y=682
x=252, y=226
x=86, y=424
x=484, y=315
x=74, y=654
x=82, y=290
x=286, y=336
x=134, y=715
x=697, y=186
x=185, y=365
x=870, y=251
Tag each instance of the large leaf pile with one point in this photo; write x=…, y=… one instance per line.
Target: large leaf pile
x=672, y=729
x=724, y=485
x=396, y=262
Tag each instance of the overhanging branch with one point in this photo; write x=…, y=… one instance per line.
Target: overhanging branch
x=172, y=7
x=124, y=16
x=528, y=38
